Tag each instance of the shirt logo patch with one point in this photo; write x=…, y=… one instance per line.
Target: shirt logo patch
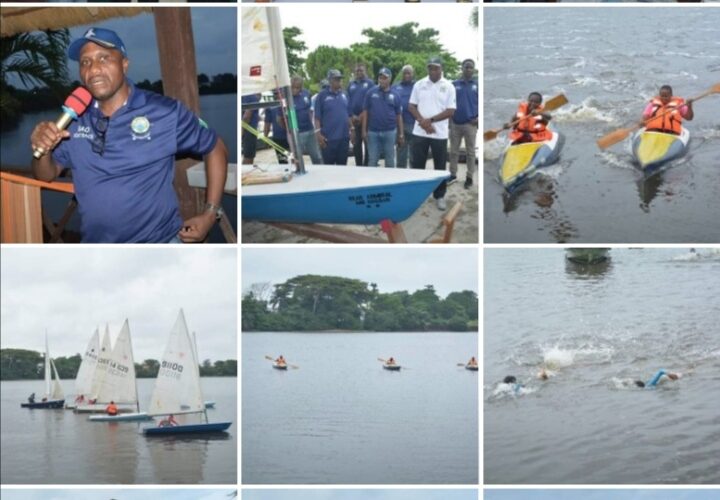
x=83, y=133
x=140, y=127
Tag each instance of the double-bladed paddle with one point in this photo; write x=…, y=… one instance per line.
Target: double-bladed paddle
x=622, y=133
x=550, y=105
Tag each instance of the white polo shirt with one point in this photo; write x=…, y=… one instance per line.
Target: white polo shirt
x=432, y=99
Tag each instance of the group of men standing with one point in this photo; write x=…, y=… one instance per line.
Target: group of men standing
x=402, y=123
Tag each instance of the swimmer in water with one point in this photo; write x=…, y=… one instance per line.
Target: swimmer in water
x=512, y=381
x=660, y=377
x=543, y=374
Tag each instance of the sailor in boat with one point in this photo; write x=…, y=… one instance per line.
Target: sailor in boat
x=111, y=409
x=665, y=112
x=532, y=123
x=168, y=422
x=404, y=89
x=382, y=123
x=125, y=145
x=280, y=361
x=332, y=121
x=464, y=125
x=357, y=90
x=472, y=362
x=79, y=399
x=659, y=378
x=31, y=398
x=432, y=103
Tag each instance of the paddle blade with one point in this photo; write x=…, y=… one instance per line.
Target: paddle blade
x=614, y=137
x=555, y=102
x=716, y=88
x=491, y=134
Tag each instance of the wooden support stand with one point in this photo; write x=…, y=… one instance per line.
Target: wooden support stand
x=449, y=223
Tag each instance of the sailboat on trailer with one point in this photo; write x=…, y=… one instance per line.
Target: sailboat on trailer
x=54, y=397
x=177, y=388
x=320, y=193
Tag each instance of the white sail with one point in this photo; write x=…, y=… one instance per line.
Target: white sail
x=118, y=381
x=86, y=372
x=57, y=392
x=264, y=60
x=48, y=390
x=103, y=361
x=177, y=388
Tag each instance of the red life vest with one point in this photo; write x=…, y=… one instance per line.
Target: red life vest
x=531, y=125
x=670, y=121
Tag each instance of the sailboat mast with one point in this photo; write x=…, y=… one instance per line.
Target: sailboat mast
x=47, y=367
x=288, y=108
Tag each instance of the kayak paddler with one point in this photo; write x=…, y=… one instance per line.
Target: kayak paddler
x=531, y=123
x=472, y=362
x=390, y=361
x=280, y=361
x=665, y=112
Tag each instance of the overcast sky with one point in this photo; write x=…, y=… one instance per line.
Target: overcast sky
x=72, y=289
x=456, y=34
x=396, y=268
x=359, y=495
x=106, y=494
x=601, y=494
x=214, y=31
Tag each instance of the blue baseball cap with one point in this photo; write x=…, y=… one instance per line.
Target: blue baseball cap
x=105, y=38
x=385, y=72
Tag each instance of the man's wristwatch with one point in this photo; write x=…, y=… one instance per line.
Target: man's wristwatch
x=217, y=210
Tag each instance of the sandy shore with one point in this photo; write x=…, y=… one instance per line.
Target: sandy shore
x=424, y=225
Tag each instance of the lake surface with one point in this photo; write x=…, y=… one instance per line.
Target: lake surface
x=601, y=328
x=58, y=446
x=342, y=419
x=609, y=62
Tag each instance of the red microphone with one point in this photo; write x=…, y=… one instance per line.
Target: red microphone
x=75, y=105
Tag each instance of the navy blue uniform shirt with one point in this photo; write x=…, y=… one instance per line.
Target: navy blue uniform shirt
x=383, y=107
x=466, y=95
x=404, y=89
x=255, y=118
x=333, y=111
x=273, y=116
x=356, y=92
x=125, y=194
x=302, y=103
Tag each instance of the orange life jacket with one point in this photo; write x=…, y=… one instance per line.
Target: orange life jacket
x=111, y=409
x=670, y=121
x=531, y=125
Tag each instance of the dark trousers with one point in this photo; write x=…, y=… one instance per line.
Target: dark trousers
x=438, y=147
x=335, y=152
x=283, y=143
x=361, y=160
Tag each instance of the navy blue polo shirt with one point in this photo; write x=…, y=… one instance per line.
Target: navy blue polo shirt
x=250, y=99
x=126, y=194
x=383, y=107
x=333, y=111
x=404, y=89
x=356, y=92
x=466, y=95
x=273, y=116
x=303, y=103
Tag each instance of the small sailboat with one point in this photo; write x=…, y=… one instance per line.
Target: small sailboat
x=86, y=372
x=177, y=389
x=116, y=382
x=54, y=397
x=321, y=193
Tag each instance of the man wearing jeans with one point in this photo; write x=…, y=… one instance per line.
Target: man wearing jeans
x=464, y=124
x=382, y=123
x=432, y=103
x=404, y=89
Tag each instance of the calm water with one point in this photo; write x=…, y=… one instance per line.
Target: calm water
x=58, y=446
x=647, y=309
x=219, y=111
x=609, y=62
x=341, y=419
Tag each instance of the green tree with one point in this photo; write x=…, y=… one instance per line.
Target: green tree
x=35, y=59
x=294, y=46
x=323, y=58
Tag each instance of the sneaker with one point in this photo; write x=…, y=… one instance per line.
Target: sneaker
x=441, y=204
x=452, y=179
x=468, y=182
